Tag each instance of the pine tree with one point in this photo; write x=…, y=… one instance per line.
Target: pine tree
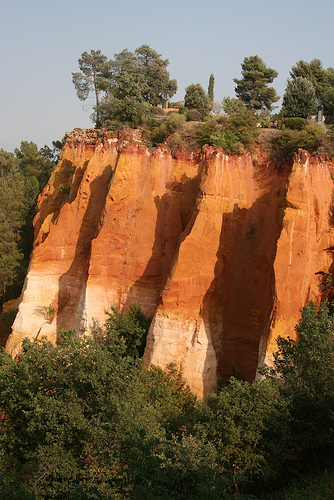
x=253, y=87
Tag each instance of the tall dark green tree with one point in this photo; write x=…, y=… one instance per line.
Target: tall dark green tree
x=211, y=95
x=322, y=80
x=253, y=88
x=196, y=98
x=153, y=68
x=315, y=72
x=299, y=99
x=12, y=211
x=94, y=77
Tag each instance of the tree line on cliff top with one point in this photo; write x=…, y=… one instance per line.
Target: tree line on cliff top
x=129, y=87
x=80, y=419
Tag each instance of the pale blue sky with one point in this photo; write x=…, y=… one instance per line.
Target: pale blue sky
x=41, y=41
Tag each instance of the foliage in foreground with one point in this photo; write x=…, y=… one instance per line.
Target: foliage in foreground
x=82, y=420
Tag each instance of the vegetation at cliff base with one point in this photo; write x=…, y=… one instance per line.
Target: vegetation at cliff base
x=80, y=419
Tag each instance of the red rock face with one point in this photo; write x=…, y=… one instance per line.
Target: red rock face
x=221, y=251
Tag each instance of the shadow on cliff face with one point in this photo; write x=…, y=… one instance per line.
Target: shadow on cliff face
x=72, y=284
x=176, y=213
x=238, y=306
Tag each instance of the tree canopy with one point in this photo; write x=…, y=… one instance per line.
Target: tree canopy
x=196, y=98
x=130, y=83
x=94, y=77
x=322, y=80
x=253, y=88
x=299, y=99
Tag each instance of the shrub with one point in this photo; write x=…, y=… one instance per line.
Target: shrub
x=309, y=138
x=131, y=325
x=155, y=111
x=193, y=115
x=233, y=133
x=170, y=113
x=294, y=123
x=161, y=131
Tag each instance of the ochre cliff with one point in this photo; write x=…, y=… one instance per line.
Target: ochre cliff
x=221, y=251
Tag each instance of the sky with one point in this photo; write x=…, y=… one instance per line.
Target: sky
x=42, y=40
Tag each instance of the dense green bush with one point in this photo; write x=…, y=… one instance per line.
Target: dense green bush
x=294, y=123
x=159, y=132
x=309, y=138
x=234, y=132
x=155, y=111
x=193, y=115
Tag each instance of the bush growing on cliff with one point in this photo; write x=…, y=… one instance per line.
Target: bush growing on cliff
x=234, y=133
x=310, y=138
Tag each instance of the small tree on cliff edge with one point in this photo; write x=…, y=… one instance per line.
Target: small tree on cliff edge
x=253, y=88
x=95, y=72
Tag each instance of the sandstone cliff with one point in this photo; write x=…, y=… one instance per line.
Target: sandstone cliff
x=221, y=251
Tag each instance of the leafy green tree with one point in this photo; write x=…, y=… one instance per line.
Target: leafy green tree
x=299, y=99
x=139, y=81
x=7, y=163
x=322, y=80
x=94, y=77
x=157, y=83
x=52, y=154
x=316, y=73
x=211, y=86
x=232, y=106
x=305, y=368
x=310, y=138
x=328, y=101
x=126, y=111
x=131, y=325
x=10, y=255
x=35, y=167
x=81, y=418
x=248, y=424
x=253, y=88
x=196, y=98
x=233, y=133
x=36, y=163
x=127, y=77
